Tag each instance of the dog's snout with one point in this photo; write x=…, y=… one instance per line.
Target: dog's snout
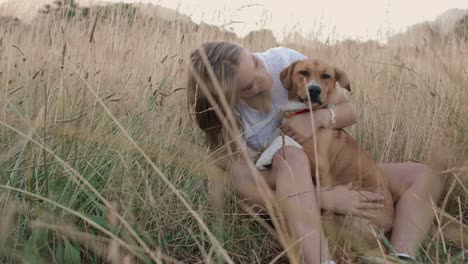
x=314, y=89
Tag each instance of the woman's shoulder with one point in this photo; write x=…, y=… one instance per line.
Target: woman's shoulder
x=280, y=57
x=284, y=53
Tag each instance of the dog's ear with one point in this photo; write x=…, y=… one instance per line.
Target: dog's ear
x=286, y=75
x=342, y=78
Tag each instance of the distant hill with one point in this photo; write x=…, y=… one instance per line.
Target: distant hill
x=453, y=23
x=260, y=40
x=163, y=13
x=4, y=20
x=461, y=28
x=441, y=29
x=447, y=21
x=26, y=10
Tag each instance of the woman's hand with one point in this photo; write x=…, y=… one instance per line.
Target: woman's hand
x=299, y=127
x=345, y=200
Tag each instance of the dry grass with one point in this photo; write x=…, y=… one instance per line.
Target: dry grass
x=82, y=100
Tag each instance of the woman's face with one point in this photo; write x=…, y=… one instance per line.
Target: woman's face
x=252, y=77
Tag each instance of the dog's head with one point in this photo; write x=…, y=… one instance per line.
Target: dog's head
x=314, y=79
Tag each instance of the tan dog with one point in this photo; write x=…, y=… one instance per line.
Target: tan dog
x=340, y=159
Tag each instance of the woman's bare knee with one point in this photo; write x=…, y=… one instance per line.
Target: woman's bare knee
x=417, y=177
x=292, y=171
x=290, y=155
x=426, y=180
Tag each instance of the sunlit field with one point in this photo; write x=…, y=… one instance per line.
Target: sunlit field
x=100, y=161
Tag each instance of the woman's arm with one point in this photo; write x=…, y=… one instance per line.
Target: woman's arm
x=346, y=114
x=300, y=128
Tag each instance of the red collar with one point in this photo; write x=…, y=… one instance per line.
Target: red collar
x=288, y=115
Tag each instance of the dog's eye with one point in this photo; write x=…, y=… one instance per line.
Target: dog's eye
x=304, y=73
x=325, y=76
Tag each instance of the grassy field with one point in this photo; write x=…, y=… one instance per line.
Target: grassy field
x=100, y=161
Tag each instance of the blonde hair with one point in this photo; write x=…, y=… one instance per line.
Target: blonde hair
x=223, y=59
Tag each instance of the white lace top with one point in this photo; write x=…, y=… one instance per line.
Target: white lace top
x=261, y=129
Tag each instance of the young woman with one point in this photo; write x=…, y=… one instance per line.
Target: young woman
x=251, y=87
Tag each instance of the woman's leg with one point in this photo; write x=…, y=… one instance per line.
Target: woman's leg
x=414, y=187
x=297, y=200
